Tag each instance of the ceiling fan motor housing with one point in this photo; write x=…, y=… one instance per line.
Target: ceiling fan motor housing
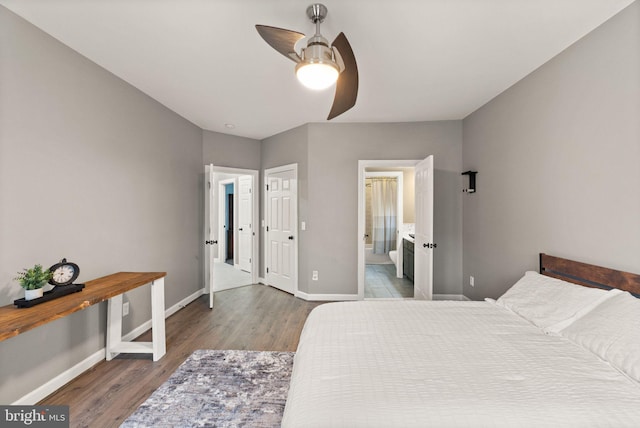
x=317, y=52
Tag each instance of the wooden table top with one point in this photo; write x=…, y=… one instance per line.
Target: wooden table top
x=14, y=320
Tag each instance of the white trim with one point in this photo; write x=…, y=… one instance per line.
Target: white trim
x=350, y=297
x=230, y=170
x=181, y=304
x=68, y=375
x=262, y=281
x=326, y=297
x=57, y=382
x=456, y=297
x=265, y=247
x=362, y=165
x=142, y=328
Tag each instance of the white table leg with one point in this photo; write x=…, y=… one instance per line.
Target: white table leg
x=157, y=346
x=158, y=336
x=114, y=326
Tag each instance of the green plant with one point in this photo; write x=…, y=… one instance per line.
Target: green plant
x=34, y=278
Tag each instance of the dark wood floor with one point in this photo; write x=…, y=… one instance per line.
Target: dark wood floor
x=254, y=317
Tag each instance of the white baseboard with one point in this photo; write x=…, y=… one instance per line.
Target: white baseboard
x=57, y=382
x=326, y=297
x=68, y=375
x=350, y=297
x=262, y=281
x=181, y=304
x=457, y=297
x=167, y=313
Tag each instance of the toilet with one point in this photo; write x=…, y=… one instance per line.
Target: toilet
x=393, y=255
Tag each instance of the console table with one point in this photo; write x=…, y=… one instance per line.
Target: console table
x=14, y=321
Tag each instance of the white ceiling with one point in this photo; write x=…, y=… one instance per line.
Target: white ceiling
x=418, y=59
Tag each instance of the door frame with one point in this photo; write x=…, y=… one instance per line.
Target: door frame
x=265, y=247
x=254, y=218
x=362, y=166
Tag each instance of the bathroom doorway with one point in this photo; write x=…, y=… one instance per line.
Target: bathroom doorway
x=388, y=193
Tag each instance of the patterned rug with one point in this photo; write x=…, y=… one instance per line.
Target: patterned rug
x=220, y=389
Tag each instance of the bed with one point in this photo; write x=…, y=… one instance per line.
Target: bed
x=548, y=352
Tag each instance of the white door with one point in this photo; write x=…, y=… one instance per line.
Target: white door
x=424, y=245
x=245, y=228
x=210, y=230
x=281, y=229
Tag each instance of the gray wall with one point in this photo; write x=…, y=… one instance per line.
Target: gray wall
x=557, y=159
x=332, y=213
x=93, y=170
x=230, y=150
x=284, y=149
x=327, y=156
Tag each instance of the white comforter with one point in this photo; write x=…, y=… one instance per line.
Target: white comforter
x=448, y=364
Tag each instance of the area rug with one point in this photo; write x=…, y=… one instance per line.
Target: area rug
x=220, y=389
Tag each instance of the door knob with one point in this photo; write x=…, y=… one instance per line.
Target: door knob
x=240, y=229
x=291, y=237
x=210, y=242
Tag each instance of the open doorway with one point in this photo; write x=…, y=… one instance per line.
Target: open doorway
x=385, y=229
x=231, y=237
x=410, y=256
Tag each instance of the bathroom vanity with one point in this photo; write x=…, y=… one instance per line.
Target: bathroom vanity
x=407, y=257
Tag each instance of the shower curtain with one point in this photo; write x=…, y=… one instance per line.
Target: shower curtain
x=383, y=204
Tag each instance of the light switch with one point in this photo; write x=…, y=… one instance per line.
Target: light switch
x=303, y=225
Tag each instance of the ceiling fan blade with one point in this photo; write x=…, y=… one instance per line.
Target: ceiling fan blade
x=281, y=40
x=347, y=84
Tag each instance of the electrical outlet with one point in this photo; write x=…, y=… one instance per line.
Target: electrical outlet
x=125, y=309
x=472, y=281
x=314, y=275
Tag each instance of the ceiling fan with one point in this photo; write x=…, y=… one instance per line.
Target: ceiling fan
x=319, y=65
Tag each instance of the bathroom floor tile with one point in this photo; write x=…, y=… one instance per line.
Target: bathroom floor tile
x=381, y=282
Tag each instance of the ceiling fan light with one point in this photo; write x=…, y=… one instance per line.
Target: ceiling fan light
x=317, y=75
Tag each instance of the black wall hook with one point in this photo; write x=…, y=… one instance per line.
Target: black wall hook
x=472, y=181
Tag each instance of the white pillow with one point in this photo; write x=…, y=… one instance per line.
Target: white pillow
x=612, y=331
x=550, y=303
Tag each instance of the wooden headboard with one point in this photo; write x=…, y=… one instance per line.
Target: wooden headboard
x=589, y=275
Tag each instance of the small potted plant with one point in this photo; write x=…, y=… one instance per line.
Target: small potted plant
x=33, y=280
